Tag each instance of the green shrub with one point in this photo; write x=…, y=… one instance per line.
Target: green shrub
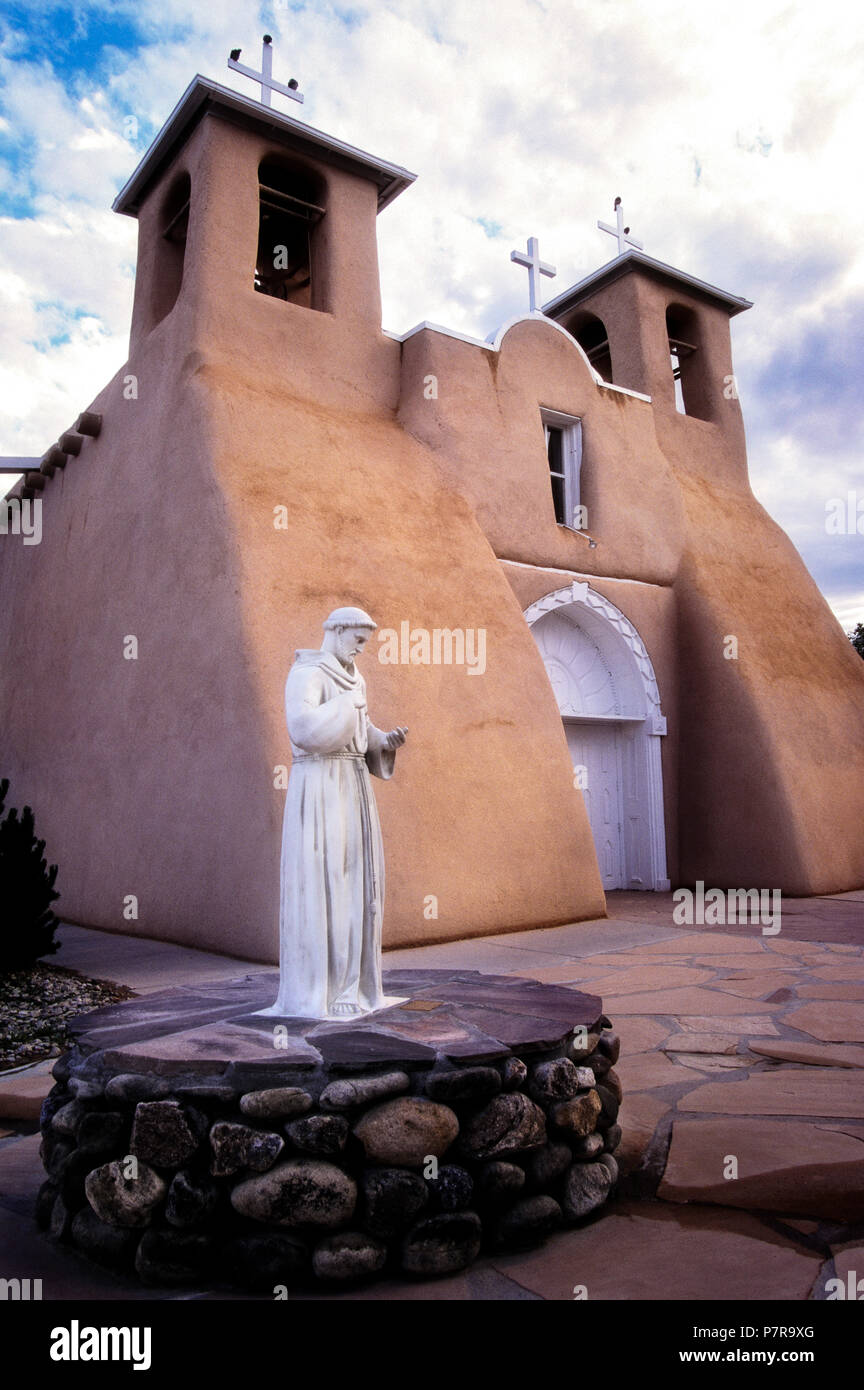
x=27, y=922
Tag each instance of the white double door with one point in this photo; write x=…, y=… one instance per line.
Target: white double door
x=613, y=784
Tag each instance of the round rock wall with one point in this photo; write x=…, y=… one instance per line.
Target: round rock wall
x=264, y=1153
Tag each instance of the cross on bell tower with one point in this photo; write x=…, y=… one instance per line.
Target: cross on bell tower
x=265, y=77
x=620, y=232
x=535, y=268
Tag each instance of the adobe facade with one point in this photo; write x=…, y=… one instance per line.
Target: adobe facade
x=268, y=453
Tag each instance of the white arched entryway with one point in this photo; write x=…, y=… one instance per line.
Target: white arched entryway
x=607, y=694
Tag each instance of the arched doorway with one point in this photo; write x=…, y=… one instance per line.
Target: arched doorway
x=607, y=693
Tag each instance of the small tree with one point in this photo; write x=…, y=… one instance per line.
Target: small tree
x=856, y=637
x=27, y=922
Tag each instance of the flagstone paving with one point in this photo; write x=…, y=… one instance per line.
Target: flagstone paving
x=735, y=1046
x=745, y=1025
x=841, y=1022
x=819, y=1054
x=781, y=1166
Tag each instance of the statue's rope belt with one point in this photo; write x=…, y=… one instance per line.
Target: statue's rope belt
x=323, y=757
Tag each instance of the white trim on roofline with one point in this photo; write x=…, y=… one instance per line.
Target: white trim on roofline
x=493, y=344
x=624, y=391
x=434, y=328
x=496, y=339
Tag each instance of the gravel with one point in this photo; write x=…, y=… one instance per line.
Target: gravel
x=35, y=1005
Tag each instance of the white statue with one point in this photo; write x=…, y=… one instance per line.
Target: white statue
x=332, y=895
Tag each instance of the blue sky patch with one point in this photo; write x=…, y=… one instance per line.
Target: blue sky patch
x=492, y=229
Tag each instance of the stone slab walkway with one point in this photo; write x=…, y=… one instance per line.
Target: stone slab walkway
x=743, y=1071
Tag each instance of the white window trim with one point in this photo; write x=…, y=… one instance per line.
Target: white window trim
x=571, y=428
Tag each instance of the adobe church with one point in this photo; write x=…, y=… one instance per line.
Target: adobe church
x=664, y=697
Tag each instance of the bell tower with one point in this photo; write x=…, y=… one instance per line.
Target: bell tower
x=251, y=222
x=654, y=329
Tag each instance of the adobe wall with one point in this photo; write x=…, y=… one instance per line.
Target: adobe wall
x=143, y=774
x=774, y=740
x=764, y=757
x=155, y=777
x=486, y=431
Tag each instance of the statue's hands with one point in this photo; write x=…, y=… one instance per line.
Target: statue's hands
x=395, y=738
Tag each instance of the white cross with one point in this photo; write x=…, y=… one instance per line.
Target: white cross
x=621, y=232
x=535, y=268
x=265, y=77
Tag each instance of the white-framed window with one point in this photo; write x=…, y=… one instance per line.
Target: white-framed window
x=564, y=452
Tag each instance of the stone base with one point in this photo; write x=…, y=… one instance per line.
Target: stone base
x=195, y=1141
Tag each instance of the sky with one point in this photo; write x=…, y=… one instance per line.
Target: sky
x=730, y=130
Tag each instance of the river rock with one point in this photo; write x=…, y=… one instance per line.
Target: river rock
x=586, y=1187
x=63, y=1066
x=547, y=1165
x=554, y=1081
x=499, y=1183
x=609, y=1107
x=612, y=1164
x=529, y=1221
x=343, y=1095
x=215, y=1093
x=515, y=1073
x=172, y=1257
x=192, y=1200
x=452, y=1190
x=73, y=1176
x=135, y=1086
x=54, y=1154
x=610, y=1044
x=124, y=1201
x=442, y=1244
x=82, y=1089
x=113, y=1246
x=613, y=1137
x=56, y=1098
x=471, y=1084
x=581, y=1050
x=61, y=1219
x=102, y=1132
x=278, y=1103
x=239, y=1146
x=612, y=1082
x=392, y=1199
x=45, y=1199
x=322, y=1135
x=588, y=1147
x=579, y=1115
x=348, y=1256
x=67, y=1119
x=161, y=1134
x=262, y=1262
x=599, y=1064
x=509, y=1124
x=406, y=1131
x=298, y=1192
